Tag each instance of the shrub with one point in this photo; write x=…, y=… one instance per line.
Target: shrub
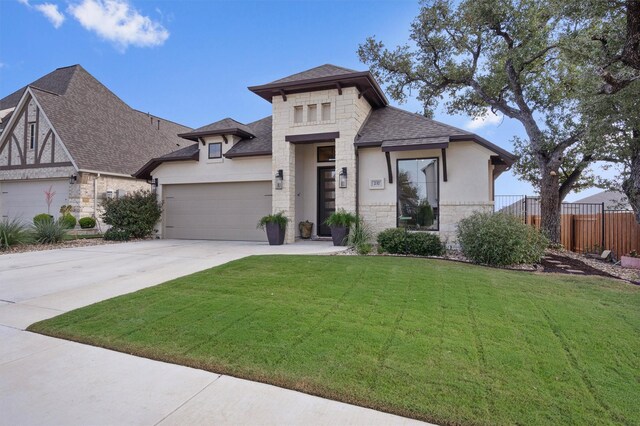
x=400, y=241
x=87, y=223
x=69, y=221
x=360, y=236
x=12, y=232
x=341, y=218
x=278, y=218
x=49, y=232
x=500, y=239
x=42, y=217
x=116, y=234
x=136, y=213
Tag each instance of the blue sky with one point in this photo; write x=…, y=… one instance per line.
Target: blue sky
x=191, y=61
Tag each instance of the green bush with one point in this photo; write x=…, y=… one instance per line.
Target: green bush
x=136, y=213
x=49, y=232
x=360, y=236
x=87, y=223
x=400, y=241
x=12, y=232
x=68, y=220
x=278, y=218
x=341, y=218
x=116, y=234
x=500, y=239
x=42, y=217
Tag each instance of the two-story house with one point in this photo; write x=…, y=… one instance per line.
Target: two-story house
x=332, y=142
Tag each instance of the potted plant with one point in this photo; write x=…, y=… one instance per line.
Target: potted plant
x=305, y=228
x=632, y=260
x=340, y=221
x=276, y=225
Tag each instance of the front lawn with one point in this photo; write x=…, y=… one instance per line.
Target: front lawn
x=440, y=341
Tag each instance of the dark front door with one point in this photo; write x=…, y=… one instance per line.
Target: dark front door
x=326, y=198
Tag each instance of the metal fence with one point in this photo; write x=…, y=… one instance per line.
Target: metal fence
x=584, y=227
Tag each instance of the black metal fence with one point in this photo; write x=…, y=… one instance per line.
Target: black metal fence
x=584, y=227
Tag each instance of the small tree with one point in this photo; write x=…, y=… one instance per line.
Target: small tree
x=136, y=213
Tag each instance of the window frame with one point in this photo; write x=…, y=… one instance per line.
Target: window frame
x=312, y=108
x=298, y=108
x=437, y=228
x=322, y=109
x=209, y=150
x=32, y=135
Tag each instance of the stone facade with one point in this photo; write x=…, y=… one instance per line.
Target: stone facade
x=348, y=112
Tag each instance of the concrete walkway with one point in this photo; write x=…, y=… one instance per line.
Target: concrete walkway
x=51, y=381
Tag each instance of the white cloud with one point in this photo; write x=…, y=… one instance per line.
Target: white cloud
x=488, y=119
x=51, y=12
x=118, y=22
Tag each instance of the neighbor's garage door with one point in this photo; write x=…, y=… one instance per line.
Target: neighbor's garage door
x=216, y=211
x=25, y=199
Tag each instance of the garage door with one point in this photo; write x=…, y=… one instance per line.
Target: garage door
x=26, y=199
x=216, y=211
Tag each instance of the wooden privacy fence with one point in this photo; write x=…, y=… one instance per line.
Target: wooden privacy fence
x=584, y=227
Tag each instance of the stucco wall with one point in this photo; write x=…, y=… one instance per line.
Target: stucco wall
x=347, y=115
x=468, y=187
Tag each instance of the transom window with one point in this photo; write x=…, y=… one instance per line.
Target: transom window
x=418, y=194
x=215, y=150
x=326, y=154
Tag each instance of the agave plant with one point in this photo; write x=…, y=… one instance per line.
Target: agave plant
x=12, y=232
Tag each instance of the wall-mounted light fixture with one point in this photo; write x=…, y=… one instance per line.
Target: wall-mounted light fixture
x=73, y=179
x=342, y=178
x=279, y=179
x=155, y=183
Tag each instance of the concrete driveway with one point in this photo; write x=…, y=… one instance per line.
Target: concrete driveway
x=51, y=381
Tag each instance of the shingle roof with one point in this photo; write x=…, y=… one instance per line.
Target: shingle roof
x=99, y=130
x=225, y=126
x=326, y=70
x=390, y=126
x=613, y=200
x=259, y=145
x=56, y=81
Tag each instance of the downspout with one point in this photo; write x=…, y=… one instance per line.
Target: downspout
x=95, y=196
x=357, y=181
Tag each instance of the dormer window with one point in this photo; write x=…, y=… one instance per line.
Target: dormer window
x=215, y=150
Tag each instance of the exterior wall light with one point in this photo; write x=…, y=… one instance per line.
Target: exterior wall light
x=342, y=178
x=73, y=179
x=279, y=179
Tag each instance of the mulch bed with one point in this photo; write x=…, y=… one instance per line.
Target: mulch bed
x=567, y=265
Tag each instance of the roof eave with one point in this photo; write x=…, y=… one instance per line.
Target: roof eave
x=247, y=154
x=194, y=136
x=267, y=91
x=145, y=171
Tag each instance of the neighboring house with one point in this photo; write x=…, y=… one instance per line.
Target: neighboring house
x=332, y=142
x=69, y=133
x=613, y=200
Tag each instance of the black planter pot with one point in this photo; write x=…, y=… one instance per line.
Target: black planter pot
x=275, y=234
x=339, y=235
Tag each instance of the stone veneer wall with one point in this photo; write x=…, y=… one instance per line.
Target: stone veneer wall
x=347, y=115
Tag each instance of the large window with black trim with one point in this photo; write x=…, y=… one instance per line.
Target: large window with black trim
x=215, y=150
x=418, y=194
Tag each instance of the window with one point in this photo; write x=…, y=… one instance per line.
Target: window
x=326, y=154
x=312, y=113
x=215, y=150
x=418, y=194
x=326, y=111
x=297, y=114
x=32, y=135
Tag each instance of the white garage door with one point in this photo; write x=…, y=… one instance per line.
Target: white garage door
x=216, y=211
x=25, y=199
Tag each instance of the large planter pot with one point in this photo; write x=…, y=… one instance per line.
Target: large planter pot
x=339, y=235
x=630, y=262
x=306, y=228
x=275, y=234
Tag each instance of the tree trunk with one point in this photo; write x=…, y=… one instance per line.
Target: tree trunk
x=550, y=205
x=631, y=185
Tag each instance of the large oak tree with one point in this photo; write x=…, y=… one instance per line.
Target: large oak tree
x=505, y=55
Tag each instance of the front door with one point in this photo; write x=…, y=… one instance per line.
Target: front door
x=326, y=198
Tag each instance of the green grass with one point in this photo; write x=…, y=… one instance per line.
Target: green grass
x=440, y=341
